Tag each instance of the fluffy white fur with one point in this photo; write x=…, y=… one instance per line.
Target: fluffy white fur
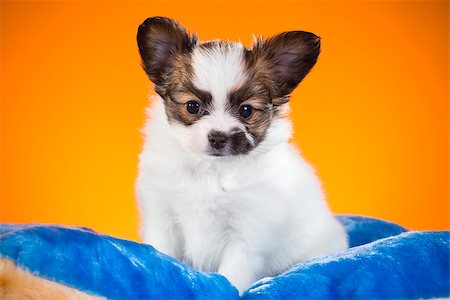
x=247, y=216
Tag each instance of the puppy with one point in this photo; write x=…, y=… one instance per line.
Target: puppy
x=219, y=186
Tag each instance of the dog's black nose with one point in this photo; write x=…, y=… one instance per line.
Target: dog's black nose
x=217, y=139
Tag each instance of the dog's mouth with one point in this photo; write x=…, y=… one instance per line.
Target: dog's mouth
x=217, y=154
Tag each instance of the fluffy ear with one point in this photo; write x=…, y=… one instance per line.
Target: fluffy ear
x=287, y=58
x=159, y=39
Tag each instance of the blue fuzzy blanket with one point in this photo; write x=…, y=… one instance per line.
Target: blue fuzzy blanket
x=385, y=261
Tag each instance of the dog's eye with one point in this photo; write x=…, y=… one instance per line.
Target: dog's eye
x=245, y=111
x=193, y=107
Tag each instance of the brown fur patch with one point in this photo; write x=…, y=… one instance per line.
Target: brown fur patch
x=215, y=44
x=166, y=51
x=163, y=44
x=176, y=99
x=19, y=284
x=282, y=61
x=273, y=68
x=256, y=94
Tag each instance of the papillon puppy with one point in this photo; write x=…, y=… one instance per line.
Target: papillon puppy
x=220, y=187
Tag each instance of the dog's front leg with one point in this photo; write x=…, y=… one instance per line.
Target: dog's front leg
x=158, y=227
x=163, y=236
x=241, y=266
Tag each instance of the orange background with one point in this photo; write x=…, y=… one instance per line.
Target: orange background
x=372, y=116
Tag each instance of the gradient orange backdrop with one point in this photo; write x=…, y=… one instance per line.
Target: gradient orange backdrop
x=372, y=116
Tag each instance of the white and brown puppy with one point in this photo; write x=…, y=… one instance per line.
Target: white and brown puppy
x=219, y=186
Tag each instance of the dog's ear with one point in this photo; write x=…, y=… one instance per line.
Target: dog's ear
x=286, y=59
x=159, y=39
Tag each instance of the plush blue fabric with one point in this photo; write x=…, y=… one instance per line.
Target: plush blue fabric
x=106, y=266
x=410, y=265
x=394, y=264
x=363, y=230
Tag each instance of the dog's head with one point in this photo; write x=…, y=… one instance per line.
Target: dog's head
x=220, y=97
